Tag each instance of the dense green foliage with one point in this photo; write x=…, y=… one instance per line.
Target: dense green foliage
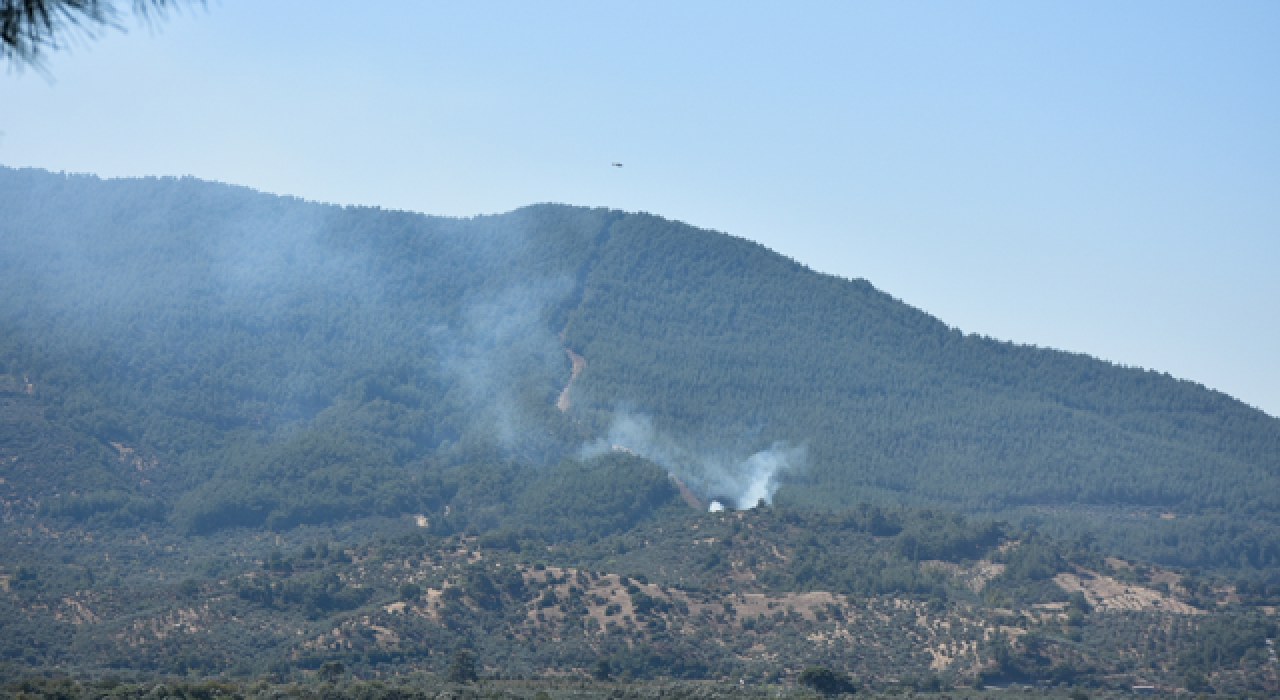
x=719, y=338
x=215, y=357
x=111, y=508
x=238, y=430
x=244, y=434
x=608, y=494
x=1224, y=642
x=826, y=681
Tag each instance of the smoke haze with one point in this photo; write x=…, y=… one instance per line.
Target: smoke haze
x=290, y=315
x=724, y=475
x=490, y=352
x=418, y=333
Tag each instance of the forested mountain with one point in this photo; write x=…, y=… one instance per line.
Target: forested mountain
x=249, y=436
x=719, y=338
x=210, y=356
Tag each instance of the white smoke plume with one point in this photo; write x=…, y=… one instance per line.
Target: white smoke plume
x=756, y=479
x=725, y=475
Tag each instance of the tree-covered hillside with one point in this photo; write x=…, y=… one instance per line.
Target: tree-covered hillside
x=266, y=358
x=206, y=356
x=722, y=340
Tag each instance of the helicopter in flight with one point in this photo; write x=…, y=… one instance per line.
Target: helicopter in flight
x=616, y=165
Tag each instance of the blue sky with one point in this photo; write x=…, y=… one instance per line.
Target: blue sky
x=1097, y=177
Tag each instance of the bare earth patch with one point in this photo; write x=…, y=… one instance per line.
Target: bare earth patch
x=1106, y=593
x=579, y=364
x=974, y=577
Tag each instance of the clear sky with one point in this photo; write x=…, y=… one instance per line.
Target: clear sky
x=1097, y=177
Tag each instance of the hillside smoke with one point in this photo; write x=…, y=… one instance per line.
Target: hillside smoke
x=496, y=352
x=725, y=476
x=757, y=476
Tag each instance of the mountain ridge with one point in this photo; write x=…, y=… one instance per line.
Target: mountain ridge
x=254, y=321
x=250, y=436
x=928, y=337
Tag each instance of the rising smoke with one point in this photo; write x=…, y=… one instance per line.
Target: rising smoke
x=290, y=316
x=498, y=349
x=724, y=475
x=293, y=315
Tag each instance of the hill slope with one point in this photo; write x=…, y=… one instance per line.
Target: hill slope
x=247, y=359
x=718, y=337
